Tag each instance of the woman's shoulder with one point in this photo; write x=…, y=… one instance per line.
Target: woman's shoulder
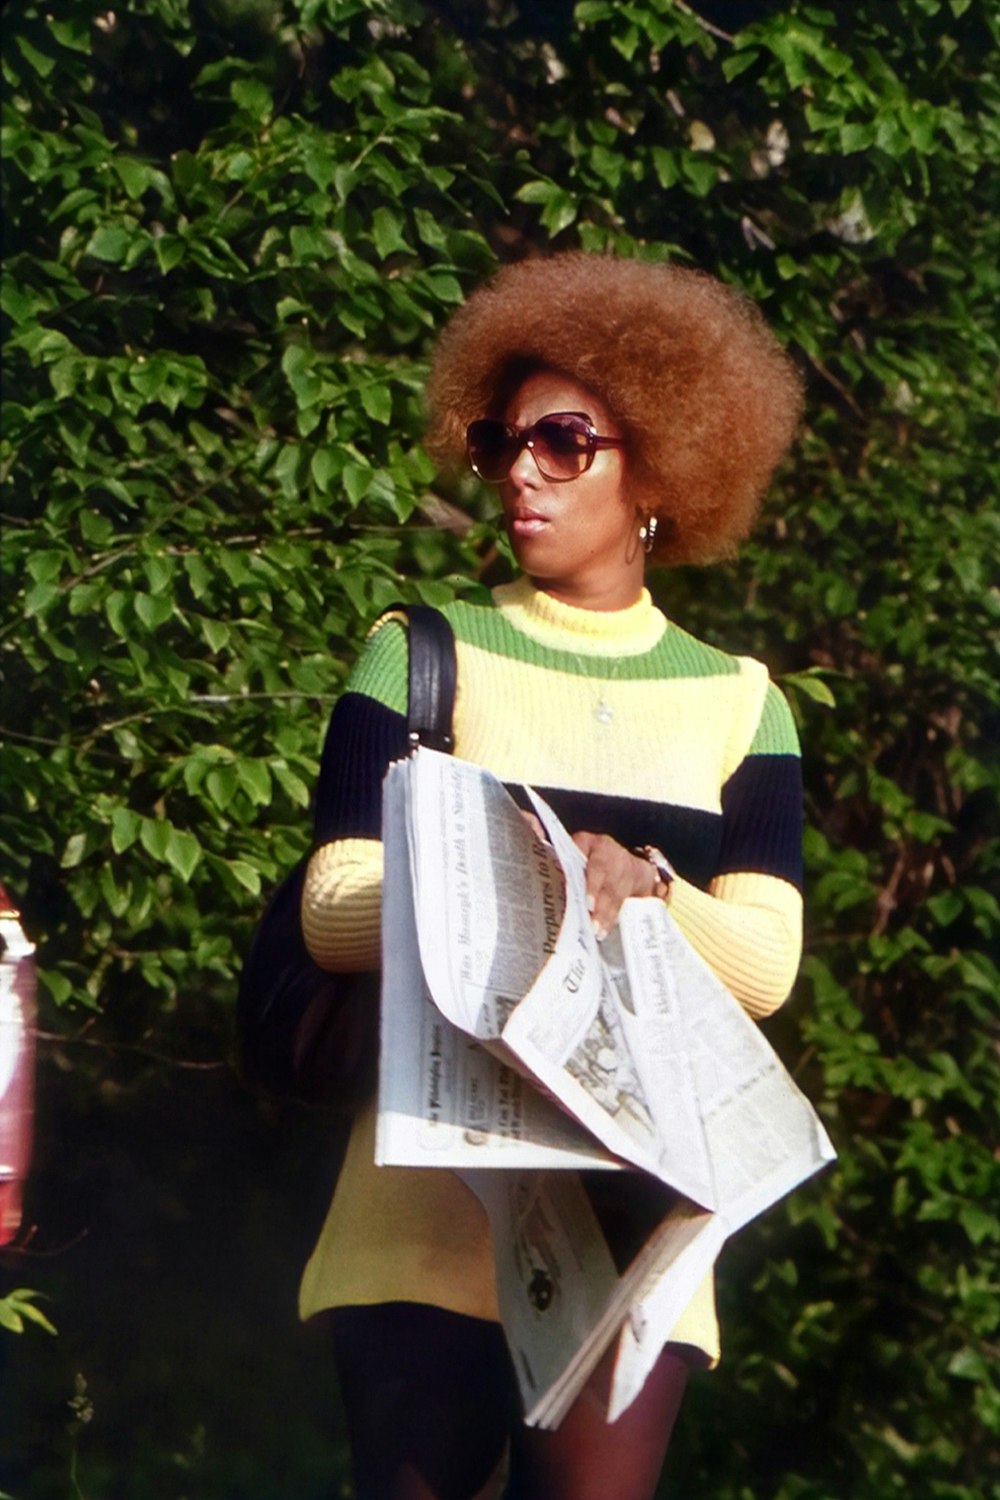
x=688, y=655
x=382, y=667
x=759, y=716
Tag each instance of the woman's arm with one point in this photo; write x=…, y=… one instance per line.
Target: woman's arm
x=748, y=929
x=748, y=924
x=341, y=904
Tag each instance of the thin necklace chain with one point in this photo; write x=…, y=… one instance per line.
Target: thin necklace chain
x=602, y=710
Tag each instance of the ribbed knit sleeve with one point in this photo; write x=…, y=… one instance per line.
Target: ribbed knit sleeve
x=748, y=924
x=748, y=929
x=341, y=903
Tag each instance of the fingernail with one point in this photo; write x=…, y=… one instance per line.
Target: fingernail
x=591, y=903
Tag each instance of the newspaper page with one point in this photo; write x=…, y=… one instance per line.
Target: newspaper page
x=489, y=895
x=636, y=1038
x=763, y=1136
x=509, y=955
x=443, y=1099
x=653, y=1294
x=562, y=1300
x=555, y=1273
x=490, y=957
x=686, y=1255
x=578, y=1032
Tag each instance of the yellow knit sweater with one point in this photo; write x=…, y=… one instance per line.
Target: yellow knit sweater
x=627, y=725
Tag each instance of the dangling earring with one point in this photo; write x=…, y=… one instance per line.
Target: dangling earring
x=647, y=533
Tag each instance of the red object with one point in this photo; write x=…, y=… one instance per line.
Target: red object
x=17, y=1064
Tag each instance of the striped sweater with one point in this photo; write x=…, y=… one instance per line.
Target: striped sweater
x=627, y=725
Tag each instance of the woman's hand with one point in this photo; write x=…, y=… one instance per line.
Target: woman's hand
x=614, y=874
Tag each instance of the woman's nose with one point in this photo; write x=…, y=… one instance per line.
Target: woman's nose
x=524, y=469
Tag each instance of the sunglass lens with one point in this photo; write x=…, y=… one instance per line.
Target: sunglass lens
x=492, y=448
x=562, y=446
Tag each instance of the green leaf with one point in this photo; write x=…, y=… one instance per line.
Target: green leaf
x=30, y=1312
x=183, y=852
x=59, y=986
x=387, y=232
x=255, y=779
x=170, y=251
x=589, y=12
x=74, y=852
x=38, y=599
x=112, y=243
x=247, y=876
x=979, y=1224
x=447, y=289
x=116, y=609
x=559, y=212
x=125, y=827
x=968, y=1364
x=811, y=685
x=135, y=175
x=221, y=784
x=152, y=610
x=72, y=32
x=377, y=402
x=154, y=834
x=40, y=61
x=18, y=1306
x=292, y=785
x=45, y=567
x=666, y=164
x=215, y=632
x=324, y=467
x=538, y=192
x=253, y=96
x=357, y=481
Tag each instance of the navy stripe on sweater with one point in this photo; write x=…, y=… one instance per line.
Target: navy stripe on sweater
x=759, y=829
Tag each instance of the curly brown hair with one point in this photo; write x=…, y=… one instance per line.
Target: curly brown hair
x=705, y=397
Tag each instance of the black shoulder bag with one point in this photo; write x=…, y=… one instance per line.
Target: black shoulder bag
x=304, y=1031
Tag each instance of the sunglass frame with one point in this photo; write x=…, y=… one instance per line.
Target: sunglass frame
x=525, y=437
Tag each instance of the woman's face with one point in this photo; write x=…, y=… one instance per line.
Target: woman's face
x=578, y=540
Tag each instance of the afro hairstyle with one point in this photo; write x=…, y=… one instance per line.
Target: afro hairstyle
x=703, y=393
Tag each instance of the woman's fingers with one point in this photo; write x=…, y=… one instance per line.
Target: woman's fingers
x=536, y=826
x=614, y=874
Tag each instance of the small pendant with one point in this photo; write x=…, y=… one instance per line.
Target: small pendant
x=603, y=713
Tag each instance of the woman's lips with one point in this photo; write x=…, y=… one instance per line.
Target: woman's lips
x=527, y=523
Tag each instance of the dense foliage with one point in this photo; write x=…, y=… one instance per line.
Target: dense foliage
x=232, y=229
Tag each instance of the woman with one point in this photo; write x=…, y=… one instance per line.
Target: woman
x=625, y=411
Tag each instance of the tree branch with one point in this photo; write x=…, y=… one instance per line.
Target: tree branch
x=709, y=26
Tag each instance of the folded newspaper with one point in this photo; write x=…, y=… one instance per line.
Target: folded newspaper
x=512, y=1039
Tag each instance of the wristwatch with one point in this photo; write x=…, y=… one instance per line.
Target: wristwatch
x=665, y=872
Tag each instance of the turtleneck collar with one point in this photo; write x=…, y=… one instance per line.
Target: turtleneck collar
x=567, y=627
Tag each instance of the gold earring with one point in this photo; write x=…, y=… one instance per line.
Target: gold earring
x=647, y=533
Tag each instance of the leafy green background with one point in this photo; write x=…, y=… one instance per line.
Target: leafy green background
x=232, y=230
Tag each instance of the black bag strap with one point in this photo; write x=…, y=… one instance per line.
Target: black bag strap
x=432, y=677
x=304, y=1031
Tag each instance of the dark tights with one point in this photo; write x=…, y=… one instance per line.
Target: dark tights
x=432, y=1410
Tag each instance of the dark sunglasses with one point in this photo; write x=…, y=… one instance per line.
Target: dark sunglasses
x=563, y=445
